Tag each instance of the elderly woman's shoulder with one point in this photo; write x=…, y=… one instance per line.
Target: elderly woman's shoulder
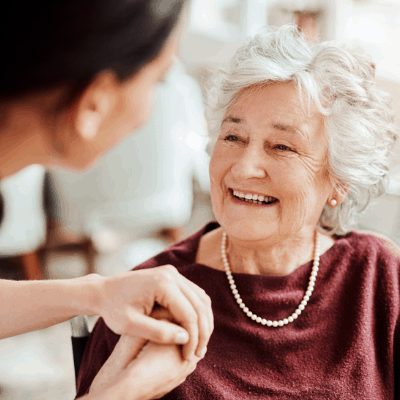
x=374, y=241
x=184, y=253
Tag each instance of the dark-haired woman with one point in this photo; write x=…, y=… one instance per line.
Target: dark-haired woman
x=76, y=78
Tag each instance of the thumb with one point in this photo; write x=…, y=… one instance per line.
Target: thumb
x=150, y=328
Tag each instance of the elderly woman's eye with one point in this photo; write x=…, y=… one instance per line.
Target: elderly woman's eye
x=283, y=147
x=232, y=138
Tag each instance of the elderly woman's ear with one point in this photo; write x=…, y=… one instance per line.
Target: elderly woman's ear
x=338, y=195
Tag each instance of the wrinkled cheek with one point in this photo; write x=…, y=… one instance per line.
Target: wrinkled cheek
x=216, y=197
x=293, y=212
x=216, y=187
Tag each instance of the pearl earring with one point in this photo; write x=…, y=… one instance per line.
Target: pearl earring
x=333, y=202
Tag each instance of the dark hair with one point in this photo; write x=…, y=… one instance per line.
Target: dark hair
x=51, y=42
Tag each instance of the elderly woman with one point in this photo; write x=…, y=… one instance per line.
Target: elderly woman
x=304, y=308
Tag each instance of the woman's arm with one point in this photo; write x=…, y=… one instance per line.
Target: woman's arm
x=124, y=301
x=139, y=371
x=151, y=374
x=31, y=305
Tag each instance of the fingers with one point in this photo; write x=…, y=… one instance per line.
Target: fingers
x=151, y=328
x=202, y=305
x=207, y=301
x=190, y=307
x=185, y=314
x=155, y=371
x=163, y=362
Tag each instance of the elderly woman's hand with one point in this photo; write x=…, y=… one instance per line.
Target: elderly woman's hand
x=127, y=300
x=140, y=370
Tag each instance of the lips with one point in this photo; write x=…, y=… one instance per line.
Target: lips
x=252, y=198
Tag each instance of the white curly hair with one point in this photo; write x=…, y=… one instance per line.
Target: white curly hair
x=339, y=81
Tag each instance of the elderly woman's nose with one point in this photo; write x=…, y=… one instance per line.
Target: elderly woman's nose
x=250, y=165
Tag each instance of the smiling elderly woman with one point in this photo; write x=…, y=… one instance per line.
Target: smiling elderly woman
x=304, y=308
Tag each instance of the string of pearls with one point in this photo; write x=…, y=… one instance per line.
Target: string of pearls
x=302, y=305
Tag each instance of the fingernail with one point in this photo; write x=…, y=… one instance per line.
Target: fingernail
x=203, y=352
x=182, y=337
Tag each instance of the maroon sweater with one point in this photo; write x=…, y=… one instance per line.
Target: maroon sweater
x=345, y=344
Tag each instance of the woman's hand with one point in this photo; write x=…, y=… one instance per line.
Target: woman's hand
x=127, y=300
x=136, y=370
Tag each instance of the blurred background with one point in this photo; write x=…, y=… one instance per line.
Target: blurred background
x=153, y=190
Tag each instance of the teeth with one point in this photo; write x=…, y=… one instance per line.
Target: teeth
x=238, y=194
x=254, y=198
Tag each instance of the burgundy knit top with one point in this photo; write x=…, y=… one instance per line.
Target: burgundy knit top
x=345, y=344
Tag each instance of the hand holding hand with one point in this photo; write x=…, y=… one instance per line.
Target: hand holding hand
x=136, y=370
x=128, y=299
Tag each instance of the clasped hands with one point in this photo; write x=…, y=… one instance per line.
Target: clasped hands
x=165, y=321
x=142, y=370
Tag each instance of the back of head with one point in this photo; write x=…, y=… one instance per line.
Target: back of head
x=49, y=43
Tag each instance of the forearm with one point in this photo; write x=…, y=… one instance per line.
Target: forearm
x=30, y=305
x=121, y=390
x=115, y=393
x=125, y=387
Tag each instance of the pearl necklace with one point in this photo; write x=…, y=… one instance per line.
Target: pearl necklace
x=302, y=305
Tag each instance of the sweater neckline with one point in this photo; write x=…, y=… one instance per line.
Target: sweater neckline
x=303, y=269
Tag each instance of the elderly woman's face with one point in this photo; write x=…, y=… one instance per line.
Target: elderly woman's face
x=271, y=149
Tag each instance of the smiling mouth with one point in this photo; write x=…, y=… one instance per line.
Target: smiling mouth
x=252, y=198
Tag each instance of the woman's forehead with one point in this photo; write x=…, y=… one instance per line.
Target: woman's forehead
x=277, y=104
x=277, y=95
